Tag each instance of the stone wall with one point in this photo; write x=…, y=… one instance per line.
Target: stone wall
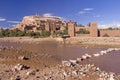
x=73, y=28
x=111, y=33
x=93, y=29
x=82, y=35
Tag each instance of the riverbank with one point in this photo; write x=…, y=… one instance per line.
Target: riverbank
x=27, y=58
x=91, y=41
x=95, y=40
x=105, y=41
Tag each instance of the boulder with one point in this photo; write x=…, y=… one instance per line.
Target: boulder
x=20, y=67
x=66, y=63
x=23, y=58
x=30, y=73
x=96, y=55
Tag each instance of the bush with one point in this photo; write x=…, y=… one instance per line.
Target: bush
x=18, y=33
x=83, y=31
x=45, y=34
x=106, y=35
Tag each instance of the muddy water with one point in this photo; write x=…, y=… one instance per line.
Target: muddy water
x=109, y=62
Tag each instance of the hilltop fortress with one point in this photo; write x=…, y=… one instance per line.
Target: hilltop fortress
x=54, y=24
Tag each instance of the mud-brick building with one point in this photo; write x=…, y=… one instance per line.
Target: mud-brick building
x=92, y=30
x=73, y=28
x=35, y=22
x=54, y=24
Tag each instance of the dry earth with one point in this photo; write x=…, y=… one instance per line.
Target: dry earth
x=14, y=50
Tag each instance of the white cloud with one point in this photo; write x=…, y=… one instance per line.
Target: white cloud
x=113, y=25
x=51, y=15
x=88, y=9
x=2, y=19
x=85, y=10
x=47, y=14
x=15, y=22
x=82, y=12
x=13, y=25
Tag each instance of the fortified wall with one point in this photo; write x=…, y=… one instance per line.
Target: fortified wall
x=73, y=28
x=111, y=33
x=92, y=29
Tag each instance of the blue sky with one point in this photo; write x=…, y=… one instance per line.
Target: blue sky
x=105, y=12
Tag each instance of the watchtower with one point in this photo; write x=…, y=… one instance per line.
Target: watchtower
x=93, y=29
x=71, y=28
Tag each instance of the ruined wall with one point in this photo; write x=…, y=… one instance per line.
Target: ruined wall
x=111, y=33
x=77, y=28
x=93, y=29
x=47, y=28
x=71, y=28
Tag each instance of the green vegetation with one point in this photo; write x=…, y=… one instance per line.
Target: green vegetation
x=42, y=28
x=80, y=25
x=110, y=28
x=18, y=33
x=61, y=33
x=41, y=33
x=83, y=31
x=106, y=35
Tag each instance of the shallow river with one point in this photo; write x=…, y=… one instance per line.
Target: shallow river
x=109, y=62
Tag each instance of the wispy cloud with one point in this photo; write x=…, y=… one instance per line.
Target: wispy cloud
x=85, y=10
x=113, y=25
x=88, y=9
x=81, y=12
x=47, y=14
x=15, y=22
x=2, y=19
x=51, y=15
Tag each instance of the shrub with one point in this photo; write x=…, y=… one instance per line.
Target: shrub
x=18, y=33
x=45, y=34
x=106, y=35
x=83, y=31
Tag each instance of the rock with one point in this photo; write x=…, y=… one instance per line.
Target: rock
x=30, y=73
x=23, y=58
x=73, y=61
x=88, y=56
x=97, y=69
x=116, y=49
x=16, y=78
x=84, y=57
x=75, y=73
x=66, y=63
x=103, y=52
x=66, y=74
x=110, y=49
x=111, y=77
x=96, y=55
x=20, y=67
x=79, y=60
